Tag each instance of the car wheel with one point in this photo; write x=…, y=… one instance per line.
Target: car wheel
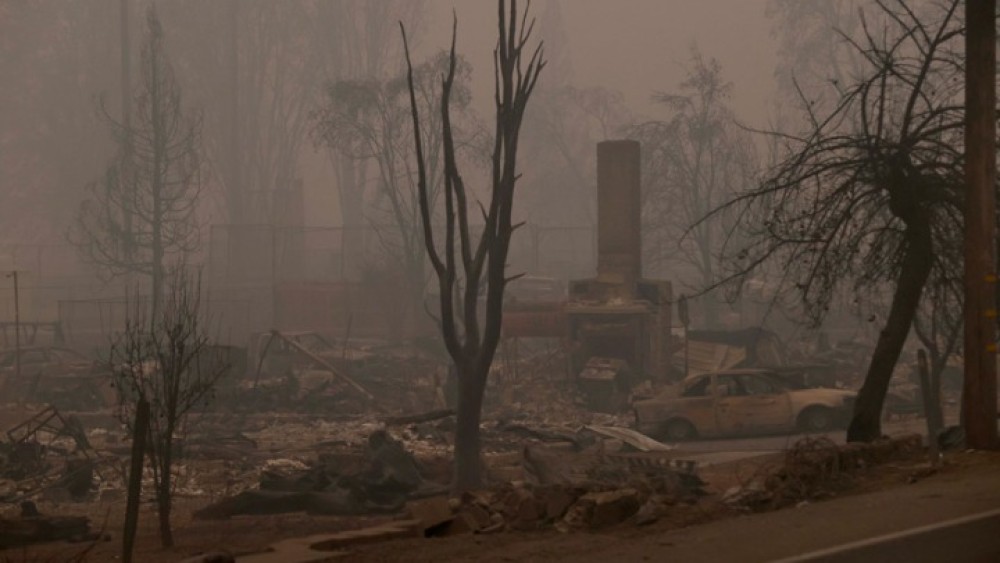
x=679, y=430
x=816, y=419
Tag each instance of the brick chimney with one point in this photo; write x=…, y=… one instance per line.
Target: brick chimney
x=619, y=247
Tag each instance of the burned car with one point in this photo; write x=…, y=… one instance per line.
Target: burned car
x=739, y=403
x=59, y=376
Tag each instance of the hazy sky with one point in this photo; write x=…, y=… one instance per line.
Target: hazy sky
x=635, y=46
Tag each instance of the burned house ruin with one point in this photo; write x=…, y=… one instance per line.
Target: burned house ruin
x=618, y=322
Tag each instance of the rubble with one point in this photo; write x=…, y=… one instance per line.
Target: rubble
x=48, y=452
x=33, y=527
x=639, y=441
x=378, y=482
x=303, y=372
x=512, y=506
x=571, y=490
x=547, y=457
x=651, y=511
x=603, y=509
x=815, y=468
x=544, y=403
x=558, y=499
x=605, y=383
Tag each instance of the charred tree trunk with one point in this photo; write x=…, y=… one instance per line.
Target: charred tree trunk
x=866, y=423
x=163, y=502
x=465, y=262
x=164, y=494
x=468, y=466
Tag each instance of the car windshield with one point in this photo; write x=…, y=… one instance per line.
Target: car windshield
x=697, y=388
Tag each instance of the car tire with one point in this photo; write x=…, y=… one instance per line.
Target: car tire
x=679, y=430
x=815, y=420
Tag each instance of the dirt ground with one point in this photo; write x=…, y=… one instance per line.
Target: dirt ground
x=247, y=534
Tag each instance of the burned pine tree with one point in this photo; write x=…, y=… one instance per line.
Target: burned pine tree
x=142, y=211
x=871, y=194
x=466, y=268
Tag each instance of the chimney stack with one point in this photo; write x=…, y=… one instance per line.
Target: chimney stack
x=619, y=248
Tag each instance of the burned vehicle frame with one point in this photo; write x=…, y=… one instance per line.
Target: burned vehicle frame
x=738, y=403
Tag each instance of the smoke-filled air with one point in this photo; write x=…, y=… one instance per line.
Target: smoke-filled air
x=505, y=280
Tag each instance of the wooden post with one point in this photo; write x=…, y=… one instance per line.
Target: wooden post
x=932, y=407
x=139, y=432
x=979, y=412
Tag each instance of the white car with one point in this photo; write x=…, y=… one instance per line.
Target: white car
x=739, y=403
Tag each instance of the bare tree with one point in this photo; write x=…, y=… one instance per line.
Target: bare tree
x=359, y=40
x=370, y=120
x=141, y=214
x=164, y=359
x=812, y=55
x=871, y=194
x=470, y=338
x=938, y=323
x=697, y=159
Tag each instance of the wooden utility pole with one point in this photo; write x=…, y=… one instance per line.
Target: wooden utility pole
x=979, y=412
x=929, y=388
